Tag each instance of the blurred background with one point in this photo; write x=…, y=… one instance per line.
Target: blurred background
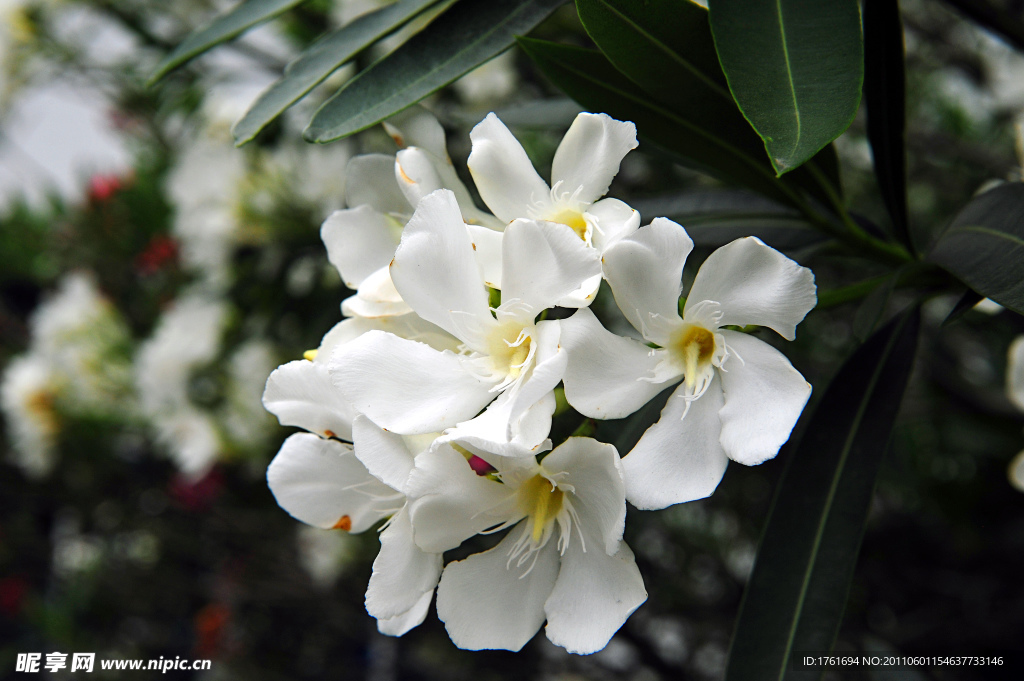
x=152, y=275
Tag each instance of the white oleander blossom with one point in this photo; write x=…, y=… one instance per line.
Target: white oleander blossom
x=1015, y=391
x=382, y=192
x=586, y=161
x=28, y=395
x=738, y=397
x=563, y=559
x=505, y=353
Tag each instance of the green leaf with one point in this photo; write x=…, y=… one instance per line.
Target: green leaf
x=588, y=77
x=464, y=37
x=225, y=27
x=798, y=589
x=984, y=246
x=885, y=95
x=323, y=58
x=795, y=68
x=872, y=308
x=666, y=48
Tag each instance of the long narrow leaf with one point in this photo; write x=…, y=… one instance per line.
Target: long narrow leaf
x=464, y=37
x=799, y=586
x=666, y=48
x=795, y=68
x=322, y=59
x=984, y=246
x=225, y=27
x=884, y=95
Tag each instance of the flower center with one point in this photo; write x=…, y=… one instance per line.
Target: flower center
x=695, y=346
x=541, y=501
x=573, y=218
x=509, y=348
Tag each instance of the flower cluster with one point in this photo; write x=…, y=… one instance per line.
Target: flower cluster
x=431, y=405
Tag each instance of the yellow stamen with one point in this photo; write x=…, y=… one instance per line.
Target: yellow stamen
x=696, y=346
x=541, y=501
x=572, y=218
x=309, y=354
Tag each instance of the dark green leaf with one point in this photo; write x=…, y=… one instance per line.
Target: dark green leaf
x=322, y=59
x=884, y=95
x=966, y=303
x=795, y=68
x=464, y=37
x=872, y=308
x=665, y=47
x=984, y=246
x=588, y=77
x=798, y=589
x=225, y=27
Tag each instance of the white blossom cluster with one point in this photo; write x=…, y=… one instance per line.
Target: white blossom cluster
x=78, y=363
x=431, y=405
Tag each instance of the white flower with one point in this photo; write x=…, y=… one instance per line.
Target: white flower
x=381, y=192
x=492, y=81
x=563, y=560
x=323, y=483
x=27, y=394
x=409, y=387
x=585, y=163
x=1015, y=373
x=739, y=397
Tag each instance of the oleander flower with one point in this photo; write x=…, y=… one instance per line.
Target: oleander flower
x=738, y=397
x=1015, y=391
x=586, y=161
x=563, y=559
x=28, y=393
x=381, y=193
x=323, y=483
x=408, y=387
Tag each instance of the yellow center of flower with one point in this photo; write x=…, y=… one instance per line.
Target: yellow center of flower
x=695, y=346
x=572, y=218
x=509, y=348
x=541, y=501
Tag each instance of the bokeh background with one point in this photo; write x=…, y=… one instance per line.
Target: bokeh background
x=152, y=275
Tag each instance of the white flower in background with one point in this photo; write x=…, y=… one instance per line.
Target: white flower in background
x=739, y=397
x=382, y=192
x=409, y=387
x=77, y=365
x=28, y=394
x=187, y=338
x=322, y=483
x=563, y=559
x=245, y=421
x=1015, y=391
x=585, y=163
x=491, y=83
x=325, y=556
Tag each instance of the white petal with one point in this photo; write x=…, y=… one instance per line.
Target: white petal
x=434, y=267
x=590, y=153
x=503, y=173
x=376, y=297
x=402, y=573
x=604, y=371
x=645, y=271
x=1015, y=472
x=487, y=248
x=584, y=295
x=417, y=127
x=413, y=617
x=370, y=181
x=405, y=386
x=449, y=502
x=359, y=242
x=764, y=397
x=384, y=454
x=549, y=368
x=485, y=604
x=543, y=262
x=599, y=497
x=755, y=284
x=496, y=432
x=415, y=174
x=409, y=326
x=1015, y=373
x=678, y=459
x=301, y=394
x=593, y=597
x=316, y=481
x=612, y=219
